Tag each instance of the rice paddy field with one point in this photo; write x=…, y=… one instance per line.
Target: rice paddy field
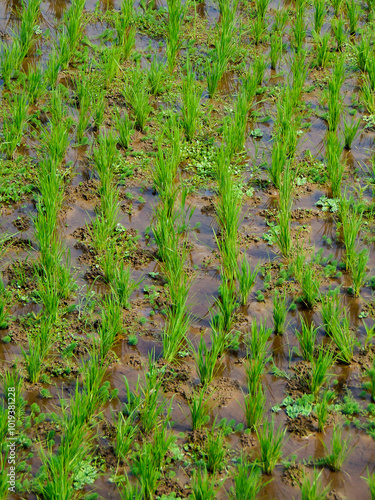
x=187, y=250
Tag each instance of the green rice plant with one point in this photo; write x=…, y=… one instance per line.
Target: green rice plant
x=247, y=481
x=29, y=16
x=280, y=311
x=331, y=310
x=14, y=125
x=281, y=18
x=370, y=480
x=129, y=491
x=363, y=53
x=369, y=385
x=175, y=333
x=339, y=450
x=136, y=93
x=215, y=450
x=104, y=224
x=258, y=29
x=125, y=32
x=202, y=485
x=257, y=344
x=226, y=305
x=191, y=96
x=51, y=71
x=351, y=215
x=338, y=26
x=337, y=4
x=319, y=371
x=281, y=233
x=111, y=324
x=199, y=406
x=299, y=70
x=122, y=284
x=278, y=160
x=126, y=431
x=111, y=58
x=335, y=106
x=11, y=59
x=99, y=109
x=335, y=164
x=276, y=48
x=84, y=94
x=370, y=67
x=254, y=371
x=353, y=10
x=246, y=279
x=350, y=132
x=307, y=339
x=311, y=489
x=344, y=338
x=35, y=84
x=12, y=383
x=310, y=287
x=368, y=96
x=152, y=407
x=145, y=471
x=206, y=361
x=235, y=130
x=298, y=29
x=322, y=48
x=54, y=144
x=125, y=128
x=261, y=7
x=176, y=14
x=319, y=15
x=163, y=441
x=271, y=442
x=359, y=272
x=322, y=409
x=73, y=24
x=156, y=76
x=254, y=406
x=34, y=359
x=49, y=294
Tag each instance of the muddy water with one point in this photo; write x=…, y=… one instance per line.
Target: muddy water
x=231, y=380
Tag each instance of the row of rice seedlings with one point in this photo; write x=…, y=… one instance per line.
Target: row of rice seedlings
x=72, y=32
x=13, y=54
x=224, y=47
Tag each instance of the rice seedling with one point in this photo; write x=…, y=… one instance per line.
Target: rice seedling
x=335, y=164
x=215, y=450
x=14, y=125
x=331, y=310
x=11, y=59
x=307, y=339
x=281, y=233
x=319, y=15
x=111, y=325
x=353, y=10
x=235, y=131
x=359, y=272
x=99, y=109
x=277, y=164
x=126, y=431
x=122, y=284
x=276, y=49
x=136, y=93
x=322, y=49
x=280, y=20
x=319, y=371
x=363, y=52
x=247, y=481
x=280, y=311
x=176, y=13
x=125, y=128
x=156, y=76
x=312, y=489
x=322, y=409
x=35, y=84
x=339, y=450
x=29, y=16
x=125, y=32
x=191, y=96
x=338, y=26
x=370, y=480
x=258, y=342
x=202, y=485
x=344, y=338
x=226, y=305
x=350, y=132
x=310, y=287
x=271, y=442
x=246, y=279
x=145, y=471
x=337, y=4
x=4, y=313
x=368, y=95
x=34, y=360
x=206, y=361
x=254, y=406
x=298, y=29
x=351, y=215
x=369, y=385
x=199, y=406
x=258, y=29
x=175, y=333
x=85, y=99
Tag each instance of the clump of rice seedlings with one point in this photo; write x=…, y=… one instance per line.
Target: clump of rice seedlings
x=337, y=4
x=111, y=58
x=254, y=405
x=350, y=132
x=258, y=343
x=280, y=311
x=176, y=13
x=202, y=485
x=258, y=28
x=234, y=134
x=281, y=19
x=224, y=48
x=339, y=450
x=215, y=450
x=281, y=232
x=335, y=103
x=277, y=164
x=322, y=409
x=175, y=332
x=370, y=480
x=246, y=279
x=35, y=84
x=4, y=313
x=126, y=430
x=276, y=49
x=125, y=32
x=299, y=70
x=343, y=337
x=156, y=76
x=206, y=361
x=369, y=385
x=145, y=471
x=99, y=110
x=271, y=443
x=137, y=94
x=322, y=49
x=29, y=16
x=310, y=287
x=247, y=481
x=359, y=272
x=11, y=59
x=14, y=125
x=351, y=215
x=335, y=164
x=319, y=371
x=83, y=87
x=363, y=53
x=319, y=15
x=226, y=305
x=307, y=339
x=338, y=26
x=199, y=406
x=191, y=96
x=331, y=310
x=312, y=489
x=353, y=10
x=122, y=284
x=298, y=28
x=125, y=128
x=111, y=325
